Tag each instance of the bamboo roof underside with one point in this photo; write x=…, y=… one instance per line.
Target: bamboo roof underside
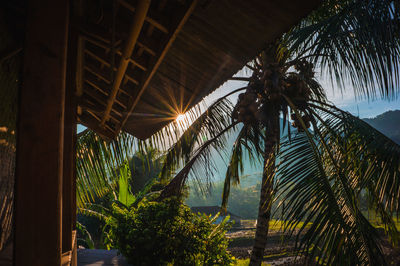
x=140, y=63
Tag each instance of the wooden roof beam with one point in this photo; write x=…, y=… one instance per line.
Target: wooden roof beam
x=137, y=24
x=162, y=54
x=148, y=19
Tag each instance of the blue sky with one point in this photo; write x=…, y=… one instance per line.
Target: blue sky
x=363, y=108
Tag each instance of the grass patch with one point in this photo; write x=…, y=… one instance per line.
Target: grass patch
x=246, y=262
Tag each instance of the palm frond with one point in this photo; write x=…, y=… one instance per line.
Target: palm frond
x=250, y=139
x=164, y=139
x=372, y=161
x=336, y=232
x=97, y=162
x=375, y=158
x=321, y=177
x=355, y=41
x=200, y=164
x=205, y=127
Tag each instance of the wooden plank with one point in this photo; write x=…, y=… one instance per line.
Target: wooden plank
x=40, y=135
x=151, y=73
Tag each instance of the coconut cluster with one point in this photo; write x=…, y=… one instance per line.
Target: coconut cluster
x=264, y=94
x=296, y=122
x=305, y=68
x=297, y=90
x=247, y=108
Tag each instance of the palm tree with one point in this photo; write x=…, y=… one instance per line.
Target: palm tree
x=328, y=164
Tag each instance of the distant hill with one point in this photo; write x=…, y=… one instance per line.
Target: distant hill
x=388, y=123
x=244, y=198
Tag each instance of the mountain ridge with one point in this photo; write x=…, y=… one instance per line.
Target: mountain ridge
x=387, y=123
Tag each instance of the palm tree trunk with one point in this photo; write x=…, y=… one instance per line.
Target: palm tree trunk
x=264, y=209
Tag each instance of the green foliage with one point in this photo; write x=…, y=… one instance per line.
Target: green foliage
x=125, y=195
x=84, y=237
x=167, y=232
x=246, y=262
x=243, y=200
x=115, y=180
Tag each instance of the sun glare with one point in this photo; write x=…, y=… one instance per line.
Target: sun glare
x=180, y=118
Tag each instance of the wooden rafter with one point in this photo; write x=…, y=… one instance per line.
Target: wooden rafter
x=172, y=36
x=137, y=24
x=103, y=60
x=148, y=19
x=91, y=122
x=98, y=87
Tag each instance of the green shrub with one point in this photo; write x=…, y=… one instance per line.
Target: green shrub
x=167, y=232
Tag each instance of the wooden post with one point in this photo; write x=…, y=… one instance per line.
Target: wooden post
x=40, y=136
x=69, y=186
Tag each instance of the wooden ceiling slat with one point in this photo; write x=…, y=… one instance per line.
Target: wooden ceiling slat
x=97, y=72
x=98, y=86
x=147, y=48
x=134, y=81
x=98, y=58
x=92, y=105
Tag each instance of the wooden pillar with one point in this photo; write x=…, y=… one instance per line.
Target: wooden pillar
x=69, y=177
x=41, y=135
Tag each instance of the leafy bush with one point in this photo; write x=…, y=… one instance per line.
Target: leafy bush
x=167, y=232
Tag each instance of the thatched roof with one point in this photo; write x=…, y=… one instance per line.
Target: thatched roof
x=183, y=51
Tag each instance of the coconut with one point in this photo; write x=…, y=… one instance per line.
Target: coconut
x=248, y=118
x=305, y=118
x=251, y=96
x=253, y=107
